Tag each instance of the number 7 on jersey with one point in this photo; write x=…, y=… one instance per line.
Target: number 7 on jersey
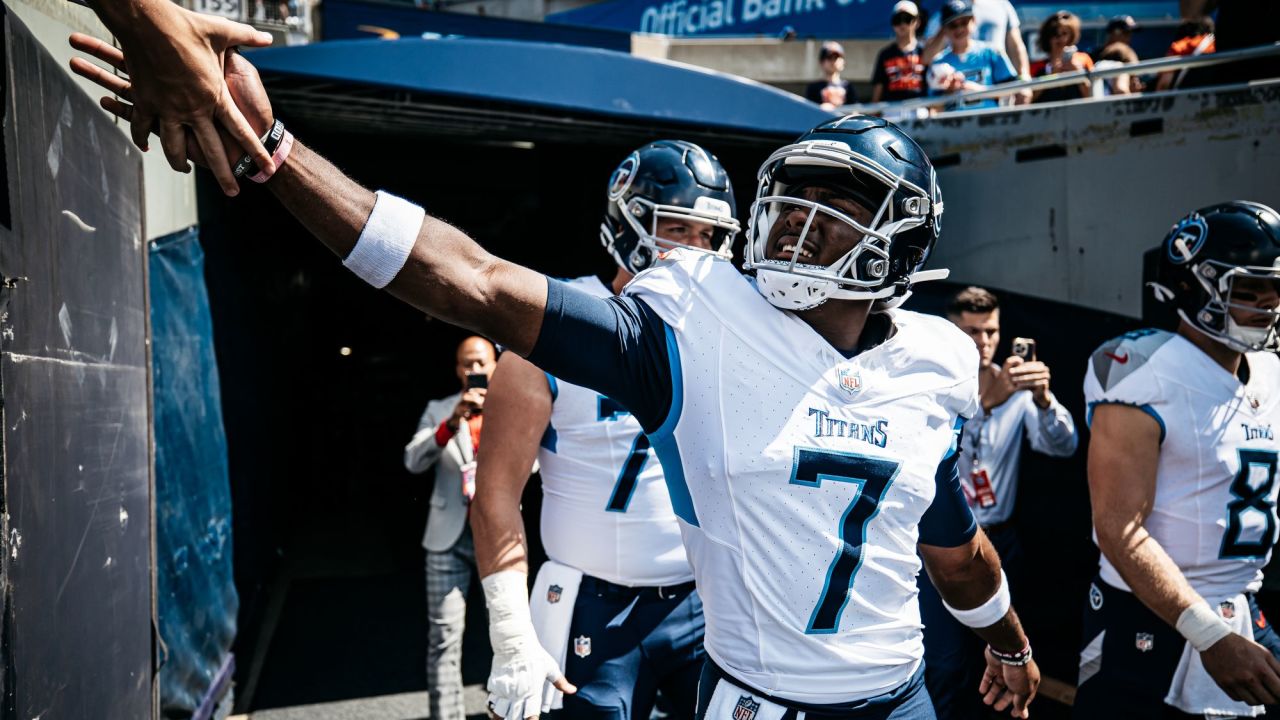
x=873, y=476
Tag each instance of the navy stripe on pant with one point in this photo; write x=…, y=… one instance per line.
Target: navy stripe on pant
x=1129, y=656
x=626, y=645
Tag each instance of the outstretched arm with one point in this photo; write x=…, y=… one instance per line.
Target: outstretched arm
x=446, y=275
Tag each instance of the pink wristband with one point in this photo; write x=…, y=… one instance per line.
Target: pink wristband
x=281, y=154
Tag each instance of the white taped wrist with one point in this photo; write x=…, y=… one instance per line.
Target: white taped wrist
x=510, y=624
x=988, y=613
x=386, y=240
x=1201, y=626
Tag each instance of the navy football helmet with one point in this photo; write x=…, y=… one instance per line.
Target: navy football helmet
x=1204, y=256
x=666, y=179
x=875, y=163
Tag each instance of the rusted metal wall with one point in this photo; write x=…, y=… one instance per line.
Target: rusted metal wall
x=74, y=382
x=1060, y=201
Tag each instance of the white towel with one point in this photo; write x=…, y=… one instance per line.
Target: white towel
x=730, y=702
x=1194, y=691
x=555, y=591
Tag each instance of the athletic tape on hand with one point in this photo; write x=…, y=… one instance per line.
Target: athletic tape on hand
x=386, y=240
x=1201, y=626
x=522, y=670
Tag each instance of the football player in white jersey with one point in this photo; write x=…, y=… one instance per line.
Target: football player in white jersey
x=807, y=441
x=1182, y=470
x=611, y=536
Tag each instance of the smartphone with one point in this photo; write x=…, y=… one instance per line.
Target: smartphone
x=1024, y=348
x=477, y=380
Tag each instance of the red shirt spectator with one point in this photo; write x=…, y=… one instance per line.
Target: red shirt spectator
x=1195, y=37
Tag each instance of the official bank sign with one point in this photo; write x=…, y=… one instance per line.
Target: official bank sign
x=826, y=18
x=808, y=18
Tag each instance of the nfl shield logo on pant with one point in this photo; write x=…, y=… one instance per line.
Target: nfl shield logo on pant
x=746, y=708
x=582, y=646
x=553, y=594
x=1145, y=642
x=1227, y=609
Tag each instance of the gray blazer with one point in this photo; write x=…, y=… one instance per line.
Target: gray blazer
x=448, y=516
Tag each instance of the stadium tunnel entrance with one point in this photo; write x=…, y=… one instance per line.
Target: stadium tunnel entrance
x=324, y=378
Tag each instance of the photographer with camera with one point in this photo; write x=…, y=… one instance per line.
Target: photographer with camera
x=1016, y=403
x=449, y=434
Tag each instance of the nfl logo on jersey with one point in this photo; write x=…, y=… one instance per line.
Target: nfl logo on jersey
x=582, y=646
x=553, y=594
x=850, y=380
x=1145, y=641
x=746, y=708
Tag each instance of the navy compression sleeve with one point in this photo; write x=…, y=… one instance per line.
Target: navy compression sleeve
x=616, y=346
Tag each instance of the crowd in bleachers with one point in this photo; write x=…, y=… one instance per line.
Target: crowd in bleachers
x=966, y=46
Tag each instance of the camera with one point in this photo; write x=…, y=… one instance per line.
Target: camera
x=1024, y=348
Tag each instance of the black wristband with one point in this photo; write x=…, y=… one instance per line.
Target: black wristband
x=270, y=141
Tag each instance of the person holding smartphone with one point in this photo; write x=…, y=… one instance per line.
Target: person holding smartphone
x=1016, y=403
x=448, y=438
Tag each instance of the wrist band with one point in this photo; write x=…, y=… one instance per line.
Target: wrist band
x=1201, y=626
x=278, y=157
x=988, y=613
x=386, y=240
x=270, y=142
x=1022, y=657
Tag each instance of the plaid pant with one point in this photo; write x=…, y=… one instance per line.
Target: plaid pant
x=448, y=579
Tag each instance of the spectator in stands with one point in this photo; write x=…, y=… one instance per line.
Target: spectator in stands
x=1121, y=30
x=969, y=64
x=1017, y=405
x=997, y=24
x=1194, y=37
x=899, y=72
x=1058, y=37
x=1115, y=55
x=834, y=91
x=1241, y=24
x=448, y=438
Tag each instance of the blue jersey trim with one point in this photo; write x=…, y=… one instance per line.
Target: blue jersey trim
x=664, y=440
x=1088, y=414
x=949, y=521
x=549, y=436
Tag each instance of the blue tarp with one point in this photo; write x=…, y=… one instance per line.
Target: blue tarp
x=808, y=18
x=358, y=20
x=577, y=80
x=197, y=600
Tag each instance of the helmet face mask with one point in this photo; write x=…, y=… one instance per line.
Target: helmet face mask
x=666, y=180
x=869, y=162
x=1215, y=319
x=1221, y=259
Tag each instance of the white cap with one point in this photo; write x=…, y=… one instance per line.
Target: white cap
x=906, y=6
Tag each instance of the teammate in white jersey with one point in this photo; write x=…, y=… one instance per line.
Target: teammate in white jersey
x=607, y=525
x=816, y=442
x=1182, y=470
